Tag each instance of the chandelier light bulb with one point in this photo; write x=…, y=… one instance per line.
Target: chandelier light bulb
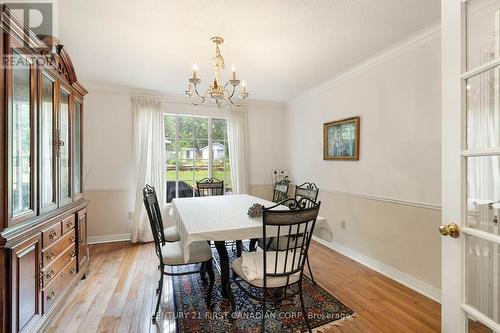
x=195, y=70
x=233, y=69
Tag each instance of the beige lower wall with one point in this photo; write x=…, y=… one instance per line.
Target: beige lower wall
x=399, y=235
x=264, y=191
x=108, y=213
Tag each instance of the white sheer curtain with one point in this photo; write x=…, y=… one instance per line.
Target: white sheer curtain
x=237, y=135
x=483, y=131
x=149, y=152
x=483, y=192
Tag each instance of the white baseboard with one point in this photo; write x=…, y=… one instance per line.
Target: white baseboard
x=403, y=278
x=108, y=238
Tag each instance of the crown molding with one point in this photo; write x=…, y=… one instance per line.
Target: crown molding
x=405, y=44
x=166, y=97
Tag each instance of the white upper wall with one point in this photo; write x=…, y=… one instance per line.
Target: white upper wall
x=397, y=96
x=108, y=140
x=107, y=146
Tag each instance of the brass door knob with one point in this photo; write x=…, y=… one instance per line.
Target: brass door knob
x=451, y=230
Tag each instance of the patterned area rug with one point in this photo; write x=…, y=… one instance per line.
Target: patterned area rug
x=192, y=315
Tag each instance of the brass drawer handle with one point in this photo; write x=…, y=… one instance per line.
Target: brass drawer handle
x=50, y=255
x=49, y=274
x=72, y=271
x=51, y=295
x=69, y=224
x=72, y=238
x=52, y=234
x=72, y=253
x=40, y=277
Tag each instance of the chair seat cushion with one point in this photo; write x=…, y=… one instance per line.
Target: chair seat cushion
x=171, y=234
x=173, y=253
x=271, y=282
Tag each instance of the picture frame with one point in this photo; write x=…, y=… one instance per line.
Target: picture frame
x=341, y=139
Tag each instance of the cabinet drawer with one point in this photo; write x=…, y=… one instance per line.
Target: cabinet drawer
x=59, y=283
x=51, y=234
x=68, y=224
x=54, y=250
x=51, y=271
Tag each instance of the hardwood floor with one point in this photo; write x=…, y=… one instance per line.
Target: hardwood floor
x=118, y=294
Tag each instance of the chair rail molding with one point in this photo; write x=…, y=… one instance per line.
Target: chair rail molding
x=107, y=189
x=384, y=199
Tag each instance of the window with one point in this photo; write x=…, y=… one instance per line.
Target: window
x=196, y=148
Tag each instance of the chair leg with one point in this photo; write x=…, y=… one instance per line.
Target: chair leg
x=230, y=295
x=310, y=271
x=304, y=312
x=158, y=301
x=264, y=311
x=158, y=288
x=211, y=277
x=203, y=270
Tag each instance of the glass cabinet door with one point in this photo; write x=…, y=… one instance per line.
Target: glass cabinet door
x=47, y=165
x=64, y=149
x=77, y=148
x=21, y=189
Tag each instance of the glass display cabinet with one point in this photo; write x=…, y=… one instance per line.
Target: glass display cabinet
x=43, y=215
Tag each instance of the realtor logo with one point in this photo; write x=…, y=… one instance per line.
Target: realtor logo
x=37, y=16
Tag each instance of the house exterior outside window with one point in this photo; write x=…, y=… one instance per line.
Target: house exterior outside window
x=196, y=148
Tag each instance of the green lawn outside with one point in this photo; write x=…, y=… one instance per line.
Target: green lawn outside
x=199, y=174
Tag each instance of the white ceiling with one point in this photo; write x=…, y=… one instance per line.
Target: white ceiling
x=281, y=48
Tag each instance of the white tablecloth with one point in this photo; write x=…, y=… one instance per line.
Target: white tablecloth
x=219, y=218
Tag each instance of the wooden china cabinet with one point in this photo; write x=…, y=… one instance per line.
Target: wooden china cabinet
x=43, y=215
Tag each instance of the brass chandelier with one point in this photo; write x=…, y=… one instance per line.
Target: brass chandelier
x=220, y=94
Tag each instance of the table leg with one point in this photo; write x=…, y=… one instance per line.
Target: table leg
x=253, y=244
x=224, y=266
x=239, y=248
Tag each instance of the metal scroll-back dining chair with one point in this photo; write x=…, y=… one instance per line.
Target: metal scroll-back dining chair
x=172, y=253
x=208, y=187
x=282, y=269
x=309, y=191
x=280, y=191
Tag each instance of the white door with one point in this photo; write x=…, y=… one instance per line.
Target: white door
x=471, y=165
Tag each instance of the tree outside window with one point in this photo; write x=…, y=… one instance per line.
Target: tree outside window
x=196, y=148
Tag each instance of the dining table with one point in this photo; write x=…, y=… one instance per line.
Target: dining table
x=219, y=219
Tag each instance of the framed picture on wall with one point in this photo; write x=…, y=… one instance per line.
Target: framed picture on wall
x=341, y=139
